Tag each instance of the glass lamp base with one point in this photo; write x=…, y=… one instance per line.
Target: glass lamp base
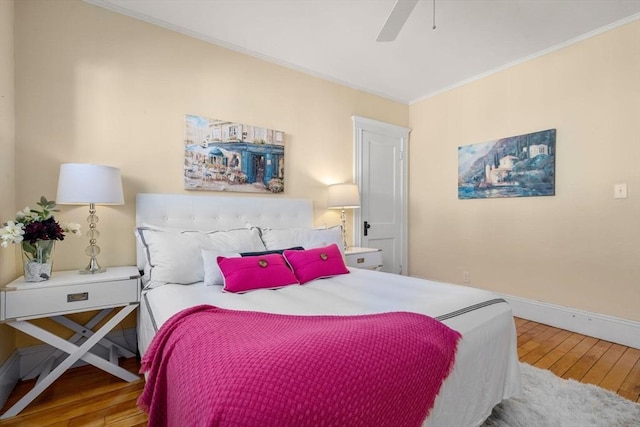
x=93, y=267
x=343, y=218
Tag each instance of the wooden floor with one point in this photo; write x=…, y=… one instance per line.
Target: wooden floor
x=86, y=396
x=579, y=357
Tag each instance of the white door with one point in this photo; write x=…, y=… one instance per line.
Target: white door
x=381, y=174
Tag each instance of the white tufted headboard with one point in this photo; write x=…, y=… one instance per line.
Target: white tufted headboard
x=209, y=213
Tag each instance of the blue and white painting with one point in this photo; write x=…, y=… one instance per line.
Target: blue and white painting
x=518, y=166
x=221, y=155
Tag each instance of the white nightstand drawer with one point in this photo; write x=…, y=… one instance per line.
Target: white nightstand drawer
x=69, y=292
x=367, y=258
x=42, y=302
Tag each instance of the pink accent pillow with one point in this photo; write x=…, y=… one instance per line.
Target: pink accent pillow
x=255, y=272
x=316, y=263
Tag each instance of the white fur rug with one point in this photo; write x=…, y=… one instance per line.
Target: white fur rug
x=550, y=401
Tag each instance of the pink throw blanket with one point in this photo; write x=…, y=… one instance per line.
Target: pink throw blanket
x=209, y=366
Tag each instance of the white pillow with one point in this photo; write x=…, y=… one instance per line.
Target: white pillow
x=175, y=256
x=143, y=264
x=212, y=273
x=228, y=244
x=237, y=240
x=308, y=238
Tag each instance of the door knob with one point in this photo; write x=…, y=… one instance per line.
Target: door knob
x=367, y=226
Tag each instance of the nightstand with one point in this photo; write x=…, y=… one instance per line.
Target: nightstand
x=68, y=292
x=366, y=258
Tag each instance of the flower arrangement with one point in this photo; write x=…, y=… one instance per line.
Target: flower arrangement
x=36, y=231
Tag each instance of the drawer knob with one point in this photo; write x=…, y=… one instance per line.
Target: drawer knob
x=360, y=260
x=80, y=296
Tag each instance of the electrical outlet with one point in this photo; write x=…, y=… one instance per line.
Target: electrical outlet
x=620, y=191
x=466, y=277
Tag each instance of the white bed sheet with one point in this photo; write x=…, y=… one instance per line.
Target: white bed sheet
x=486, y=369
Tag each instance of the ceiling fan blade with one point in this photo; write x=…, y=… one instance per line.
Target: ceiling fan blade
x=396, y=20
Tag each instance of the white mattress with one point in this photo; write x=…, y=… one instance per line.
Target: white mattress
x=486, y=370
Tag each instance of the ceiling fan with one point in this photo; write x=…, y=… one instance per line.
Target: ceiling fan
x=397, y=18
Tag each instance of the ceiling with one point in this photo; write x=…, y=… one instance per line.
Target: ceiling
x=336, y=39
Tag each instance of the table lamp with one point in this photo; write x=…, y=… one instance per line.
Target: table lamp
x=343, y=196
x=80, y=184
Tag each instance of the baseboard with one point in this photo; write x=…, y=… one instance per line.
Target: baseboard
x=9, y=376
x=608, y=328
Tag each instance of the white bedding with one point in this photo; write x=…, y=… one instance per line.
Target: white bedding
x=486, y=370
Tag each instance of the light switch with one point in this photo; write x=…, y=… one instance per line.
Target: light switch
x=620, y=191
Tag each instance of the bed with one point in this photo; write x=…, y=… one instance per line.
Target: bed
x=485, y=371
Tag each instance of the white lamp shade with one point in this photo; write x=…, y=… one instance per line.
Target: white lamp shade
x=343, y=196
x=81, y=184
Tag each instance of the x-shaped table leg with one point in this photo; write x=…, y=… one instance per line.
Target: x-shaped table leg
x=75, y=353
x=80, y=331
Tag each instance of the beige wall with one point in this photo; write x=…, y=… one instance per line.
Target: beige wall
x=95, y=86
x=579, y=248
x=7, y=158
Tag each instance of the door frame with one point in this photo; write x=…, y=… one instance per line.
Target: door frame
x=361, y=124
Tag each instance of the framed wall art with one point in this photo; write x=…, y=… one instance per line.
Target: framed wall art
x=227, y=156
x=517, y=166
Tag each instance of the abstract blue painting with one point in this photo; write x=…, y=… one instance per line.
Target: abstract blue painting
x=517, y=166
